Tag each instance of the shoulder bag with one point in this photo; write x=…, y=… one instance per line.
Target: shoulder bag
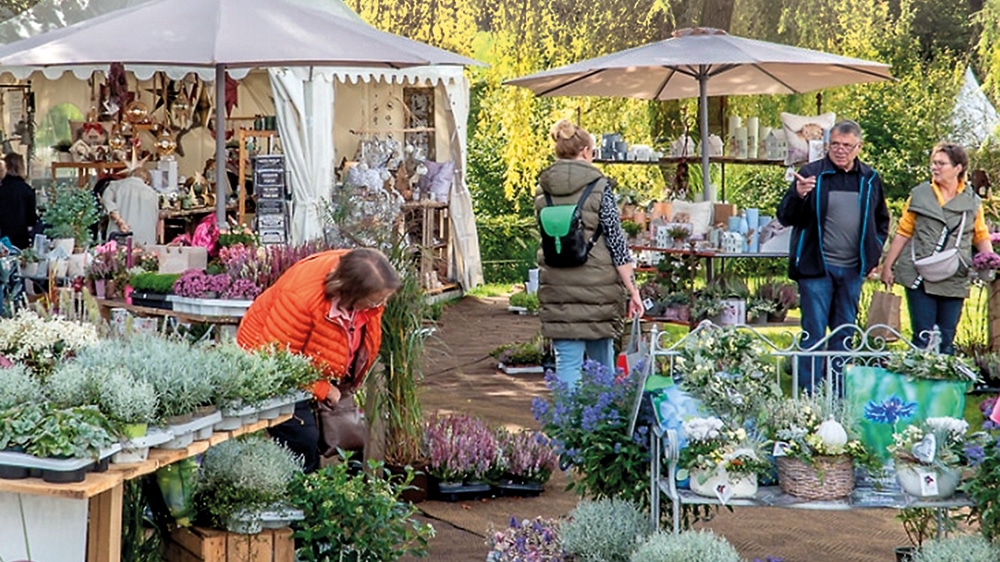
x=943, y=263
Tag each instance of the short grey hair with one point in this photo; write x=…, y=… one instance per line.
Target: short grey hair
x=848, y=127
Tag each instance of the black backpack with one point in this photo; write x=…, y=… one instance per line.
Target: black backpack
x=564, y=243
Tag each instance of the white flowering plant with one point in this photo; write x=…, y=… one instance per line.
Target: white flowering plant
x=728, y=370
x=713, y=447
x=927, y=364
x=40, y=342
x=806, y=427
x=937, y=442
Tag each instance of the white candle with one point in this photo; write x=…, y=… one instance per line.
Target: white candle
x=753, y=141
x=741, y=143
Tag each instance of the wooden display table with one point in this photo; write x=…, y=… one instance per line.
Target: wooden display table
x=103, y=493
x=107, y=304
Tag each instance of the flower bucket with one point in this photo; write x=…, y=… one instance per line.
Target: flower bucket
x=100, y=286
x=723, y=486
x=886, y=400
x=927, y=483
x=734, y=312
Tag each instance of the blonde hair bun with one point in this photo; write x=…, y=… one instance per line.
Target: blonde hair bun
x=564, y=129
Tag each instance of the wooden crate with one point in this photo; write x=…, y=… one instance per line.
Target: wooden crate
x=197, y=544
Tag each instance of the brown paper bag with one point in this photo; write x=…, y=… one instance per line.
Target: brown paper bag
x=884, y=310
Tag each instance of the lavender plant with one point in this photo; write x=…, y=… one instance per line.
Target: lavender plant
x=588, y=424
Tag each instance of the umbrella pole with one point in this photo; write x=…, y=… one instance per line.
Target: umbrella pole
x=221, y=180
x=708, y=192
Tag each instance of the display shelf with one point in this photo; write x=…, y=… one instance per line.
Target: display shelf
x=107, y=304
x=98, y=482
x=83, y=169
x=429, y=222
x=242, y=169
x=696, y=159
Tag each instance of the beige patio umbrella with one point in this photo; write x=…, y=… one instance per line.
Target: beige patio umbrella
x=704, y=62
x=223, y=34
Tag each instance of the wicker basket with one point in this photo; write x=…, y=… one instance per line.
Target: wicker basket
x=826, y=478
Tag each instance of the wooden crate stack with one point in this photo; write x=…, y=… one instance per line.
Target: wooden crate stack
x=197, y=544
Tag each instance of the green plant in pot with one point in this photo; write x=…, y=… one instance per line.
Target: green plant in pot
x=129, y=402
x=242, y=478
x=958, y=548
x=392, y=389
x=70, y=213
x=528, y=301
x=518, y=354
x=984, y=489
x=784, y=296
x=382, y=526
x=18, y=386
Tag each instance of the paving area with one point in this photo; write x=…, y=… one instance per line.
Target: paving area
x=461, y=377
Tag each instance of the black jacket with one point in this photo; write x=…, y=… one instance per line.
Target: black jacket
x=806, y=215
x=17, y=210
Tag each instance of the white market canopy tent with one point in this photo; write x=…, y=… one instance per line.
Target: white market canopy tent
x=303, y=86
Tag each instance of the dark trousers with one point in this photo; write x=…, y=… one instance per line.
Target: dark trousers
x=300, y=434
x=927, y=311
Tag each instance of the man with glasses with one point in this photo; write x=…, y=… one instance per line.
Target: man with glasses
x=840, y=222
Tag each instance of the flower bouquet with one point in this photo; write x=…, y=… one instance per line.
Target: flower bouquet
x=720, y=462
x=930, y=456
x=813, y=450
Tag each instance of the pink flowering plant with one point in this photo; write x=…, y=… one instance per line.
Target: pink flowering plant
x=526, y=540
x=525, y=457
x=108, y=262
x=241, y=289
x=462, y=448
x=986, y=260
x=195, y=283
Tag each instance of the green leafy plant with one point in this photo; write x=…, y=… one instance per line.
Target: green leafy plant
x=45, y=431
x=518, y=354
x=984, y=490
x=381, y=526
x=689, y=546
x=927, y=364
x=70, y=213
x=727, y=369
x=678, y=233
x=524, y=299
x=631, y=228
x=782, y=294
x=921, y=523
x=243, y=476
x=162, y=283
x=608, y=530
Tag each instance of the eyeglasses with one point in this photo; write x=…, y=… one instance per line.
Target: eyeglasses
x=843, y=146
x=375, y=304
x=940, y=164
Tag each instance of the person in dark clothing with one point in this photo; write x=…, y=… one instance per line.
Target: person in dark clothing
x=840, y=221
x=18, y=214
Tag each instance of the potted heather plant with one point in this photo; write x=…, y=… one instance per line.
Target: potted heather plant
x=463, y=455
x=526, y=461
x=986, y=264
x=519, y=358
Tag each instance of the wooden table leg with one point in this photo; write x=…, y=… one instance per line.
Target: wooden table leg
x=104, y=532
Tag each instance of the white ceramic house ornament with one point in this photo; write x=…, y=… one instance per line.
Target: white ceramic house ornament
x=714, y=146
x=683, y=146
x=776, y=144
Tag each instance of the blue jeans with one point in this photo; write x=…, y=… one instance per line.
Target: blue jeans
x=926, y=311
x=827, y=302
x=569, y=357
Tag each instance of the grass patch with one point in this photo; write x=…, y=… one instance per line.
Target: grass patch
x=490, y=290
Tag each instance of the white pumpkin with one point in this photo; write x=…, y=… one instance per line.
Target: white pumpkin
x=832, y=434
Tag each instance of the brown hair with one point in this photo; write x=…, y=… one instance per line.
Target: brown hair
x=15, y=164
x=956, y=154
x=570, y=139
x=361, y=273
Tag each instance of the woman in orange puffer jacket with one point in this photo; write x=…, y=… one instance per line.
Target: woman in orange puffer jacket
x=328, y=307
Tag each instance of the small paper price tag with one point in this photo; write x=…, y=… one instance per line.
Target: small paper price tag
x=780, y=449
x=928, y=482
x=789, y=174
x=647, y=303
x=724, y=492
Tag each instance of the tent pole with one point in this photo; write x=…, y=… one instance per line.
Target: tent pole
x=221, y=180
x=708, y=194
